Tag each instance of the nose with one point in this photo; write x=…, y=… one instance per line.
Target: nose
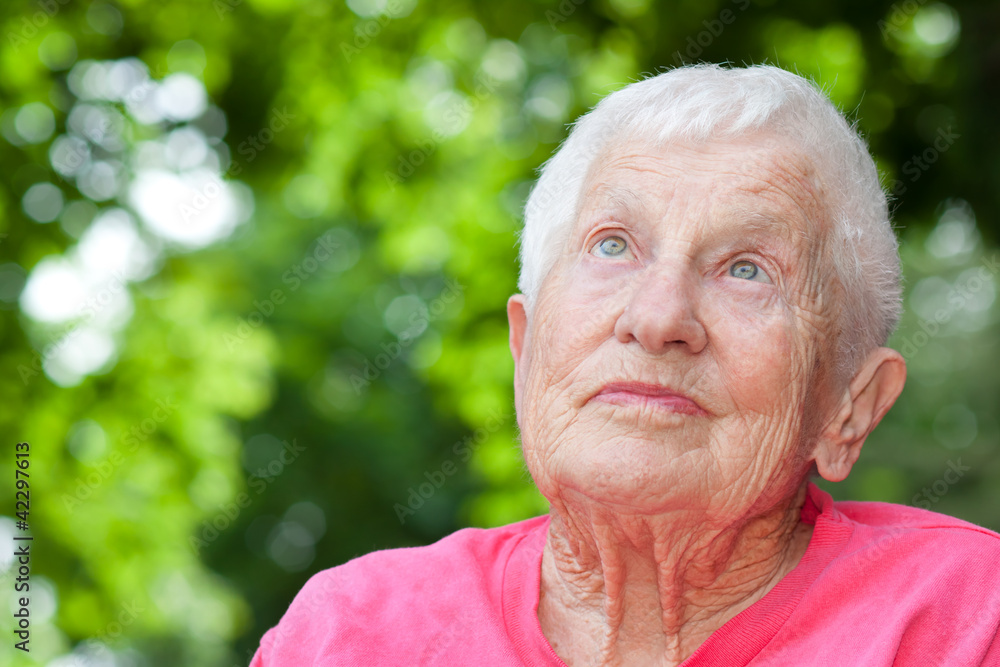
x=661, y=312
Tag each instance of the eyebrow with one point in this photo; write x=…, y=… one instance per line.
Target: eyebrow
x=753, y=221
x=620, y=197
x=756, y=222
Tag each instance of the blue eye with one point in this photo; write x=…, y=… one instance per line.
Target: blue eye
x=612, y=246
x=748, y=271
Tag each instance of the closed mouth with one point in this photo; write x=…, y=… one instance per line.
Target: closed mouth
x=648, y=395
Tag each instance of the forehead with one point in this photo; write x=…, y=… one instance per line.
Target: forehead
x=762, y=179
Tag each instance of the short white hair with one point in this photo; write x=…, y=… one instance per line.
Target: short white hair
x=708, y=102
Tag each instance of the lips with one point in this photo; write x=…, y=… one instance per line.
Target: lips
x=654, y=396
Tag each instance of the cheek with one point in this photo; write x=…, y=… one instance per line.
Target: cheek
x=756, y=354
x=573, y=320
x=577, y=315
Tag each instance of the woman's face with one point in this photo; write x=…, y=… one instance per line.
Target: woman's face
x=700, y=272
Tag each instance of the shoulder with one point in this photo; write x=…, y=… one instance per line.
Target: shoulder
x=879, y=520
x=877, y=527
x=469, y=556
x=896, y=584
x=392, y=603
x=922, y=554
x=927, y=584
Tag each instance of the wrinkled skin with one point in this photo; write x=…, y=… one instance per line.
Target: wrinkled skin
x=668, y=519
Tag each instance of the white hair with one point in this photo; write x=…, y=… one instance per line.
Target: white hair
x=707, y=102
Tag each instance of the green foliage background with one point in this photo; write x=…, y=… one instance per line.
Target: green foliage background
x=411, y=133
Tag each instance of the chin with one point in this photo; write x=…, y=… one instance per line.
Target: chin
x=634, y=475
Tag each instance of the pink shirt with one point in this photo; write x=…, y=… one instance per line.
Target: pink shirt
x=879, y=585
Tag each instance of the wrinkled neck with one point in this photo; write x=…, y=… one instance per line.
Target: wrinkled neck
x=619, y=586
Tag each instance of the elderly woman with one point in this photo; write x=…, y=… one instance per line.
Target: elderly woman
x=709, y=276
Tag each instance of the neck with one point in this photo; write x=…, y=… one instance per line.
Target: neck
x=649, y=589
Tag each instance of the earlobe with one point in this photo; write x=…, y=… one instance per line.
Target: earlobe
x=872, y=391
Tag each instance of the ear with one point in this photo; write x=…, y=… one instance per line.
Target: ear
x=870, y=394
x=517, y=317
